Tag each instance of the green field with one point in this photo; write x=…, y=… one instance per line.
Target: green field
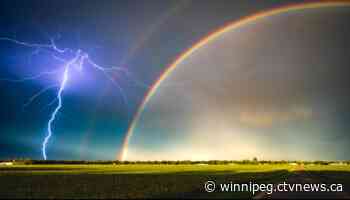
x=142, y=169
x=145, y=180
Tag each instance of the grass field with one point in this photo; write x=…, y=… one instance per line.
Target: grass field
x=145, y=180
x=142, y=169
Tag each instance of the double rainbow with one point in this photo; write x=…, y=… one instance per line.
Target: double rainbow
x=210, y=37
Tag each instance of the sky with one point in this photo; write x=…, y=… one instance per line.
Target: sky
x=144, y=37
x=276, y=89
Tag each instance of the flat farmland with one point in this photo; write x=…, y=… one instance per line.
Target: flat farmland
x=148, y=180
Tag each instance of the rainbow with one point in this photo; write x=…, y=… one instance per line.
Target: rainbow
x=212, y=36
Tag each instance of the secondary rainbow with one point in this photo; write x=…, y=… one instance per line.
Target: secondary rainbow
x=212, y=36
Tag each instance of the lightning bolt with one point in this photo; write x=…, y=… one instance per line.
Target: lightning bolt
x=58, y=107
x=80, y=60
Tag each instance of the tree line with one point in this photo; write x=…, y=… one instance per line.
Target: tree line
x=172, y=162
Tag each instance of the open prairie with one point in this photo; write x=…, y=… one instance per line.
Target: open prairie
x=159, y=180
